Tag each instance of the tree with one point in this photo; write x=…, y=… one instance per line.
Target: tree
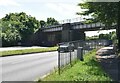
x=105, y=12
x=10, y=36
x=105, y=36
x=21, y=23
x=42, y=23
x=51, y=21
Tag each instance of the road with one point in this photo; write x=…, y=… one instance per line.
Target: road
x=28, y=67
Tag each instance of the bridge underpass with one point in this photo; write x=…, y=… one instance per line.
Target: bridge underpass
x=55, y=34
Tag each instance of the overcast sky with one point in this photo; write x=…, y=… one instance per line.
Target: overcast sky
x=42, y=9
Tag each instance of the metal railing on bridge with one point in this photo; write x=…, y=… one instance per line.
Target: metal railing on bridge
x=73, y=20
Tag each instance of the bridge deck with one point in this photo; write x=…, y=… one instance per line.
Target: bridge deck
x=81, y=26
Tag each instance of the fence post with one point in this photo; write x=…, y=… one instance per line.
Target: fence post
x=59, y=61
x=80, y=53
x=70, y=58
x=70, y=54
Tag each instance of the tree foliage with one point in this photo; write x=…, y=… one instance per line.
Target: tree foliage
x=51, y=21
x=10, y=35
x=105, y=12
x=109, y=36
x=17, y=27
x=42, y=23
x=25, y=24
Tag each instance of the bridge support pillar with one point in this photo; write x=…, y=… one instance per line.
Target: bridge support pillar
x=71, y=35
x=66, y=32
x=77, y=35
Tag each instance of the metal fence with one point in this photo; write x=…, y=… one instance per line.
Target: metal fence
x=66, y=58
x=68, y=51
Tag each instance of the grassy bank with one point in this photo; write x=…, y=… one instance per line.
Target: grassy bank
x=87, y=70
x=27, y=51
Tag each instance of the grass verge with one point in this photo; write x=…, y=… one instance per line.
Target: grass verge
x=27, y=51
x=87, y=70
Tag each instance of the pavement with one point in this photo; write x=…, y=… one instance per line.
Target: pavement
x=112, y=67
x=27, y=67
x=110, y=62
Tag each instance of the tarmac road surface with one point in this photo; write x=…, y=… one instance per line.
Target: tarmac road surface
x=27, y=67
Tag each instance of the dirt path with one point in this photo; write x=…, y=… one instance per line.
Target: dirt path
x=111, y=67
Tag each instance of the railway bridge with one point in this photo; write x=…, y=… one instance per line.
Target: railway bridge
x=51, y=35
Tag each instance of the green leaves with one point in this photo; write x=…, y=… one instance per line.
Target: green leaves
x=51, y=21
x=42, y=23
x=17, y=27
x=10, y=35
x=106, y=12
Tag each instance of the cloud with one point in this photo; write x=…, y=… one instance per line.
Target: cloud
x=58, y=9
x=64, y=9
x=101, y=0
x=51, y=1
x=8, y=3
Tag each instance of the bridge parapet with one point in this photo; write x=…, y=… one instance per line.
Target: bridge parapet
x=79, y=25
